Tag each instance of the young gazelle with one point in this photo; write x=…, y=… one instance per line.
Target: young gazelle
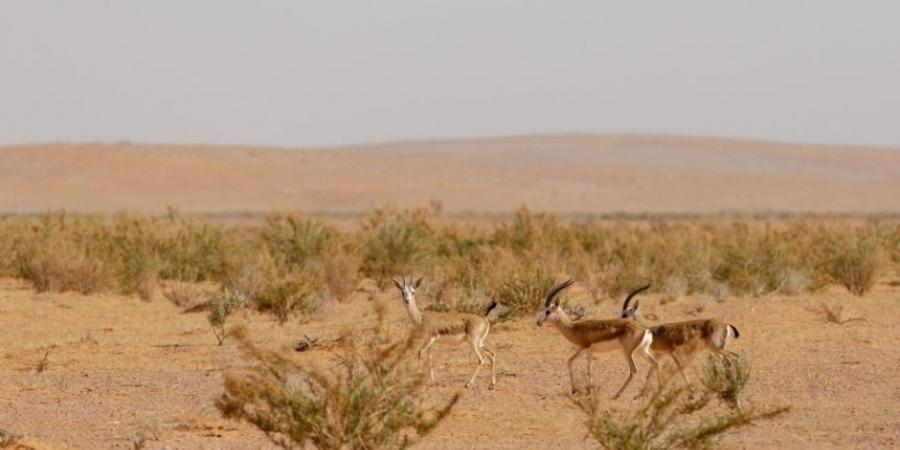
x=450, y=328
x=683, y=337
x=593, y=336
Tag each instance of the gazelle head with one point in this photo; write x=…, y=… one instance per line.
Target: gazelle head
x=407, y=289
x=551, y=305
x=633, y=311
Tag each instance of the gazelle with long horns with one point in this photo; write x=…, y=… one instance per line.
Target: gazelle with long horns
x=683, y=338
x=594, y=336
x=450, y=328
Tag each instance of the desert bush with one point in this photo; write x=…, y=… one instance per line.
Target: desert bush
x=520, y=286
x=193, y=251
x=295, y=241
x=249, y=272
x=669, y=419
x=182, y=294
x=222, y=305
x=339, y=274
x=370, y=397
x=727, y=377
x=285, y=295
x=52, y=260
x=855, y=259
x=751, y=262
x=394, y=242
x=464, y=262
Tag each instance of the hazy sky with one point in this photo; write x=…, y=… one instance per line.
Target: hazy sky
x=293, y=73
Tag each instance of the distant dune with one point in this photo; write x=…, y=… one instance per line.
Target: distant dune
x=570, y=174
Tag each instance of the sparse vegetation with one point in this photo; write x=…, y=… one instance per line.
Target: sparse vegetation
x=835, y=314
x=369, y=398
x=669, y=419
x=678, y=418
x=856, y=259
x=222, y=305
x=727, y=377
x=289, y=264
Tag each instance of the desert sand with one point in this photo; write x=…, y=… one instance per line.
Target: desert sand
x=117, y=368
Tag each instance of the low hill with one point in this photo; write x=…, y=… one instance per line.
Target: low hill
x=567, y=174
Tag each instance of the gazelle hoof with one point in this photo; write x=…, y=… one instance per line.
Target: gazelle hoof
x=468, y=386
x=491, y=387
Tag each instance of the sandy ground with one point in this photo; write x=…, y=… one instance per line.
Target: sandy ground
x=571, y=174
x=117, y=368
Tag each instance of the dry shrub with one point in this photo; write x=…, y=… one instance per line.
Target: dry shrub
x=340, y=274
x=679, y=418
x=520, y=284
x=369, y=397
x=221, y=306
x=284, y=296
x=395, y=242
x=53, y=263
x=668, y=419
x=589, y=275
x=727, y=377
x=129, y=254
x=856, y=259
x=249, y=273
x=182, y=294
x=295, y=241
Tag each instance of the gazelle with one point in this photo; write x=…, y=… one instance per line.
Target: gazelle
x=450, y=328
x=669, y=338
x=594, y=336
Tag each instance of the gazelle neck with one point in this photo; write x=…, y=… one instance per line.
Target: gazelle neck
x=563, y=323
x=414, y=314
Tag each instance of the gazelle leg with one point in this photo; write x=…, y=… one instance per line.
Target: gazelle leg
x=427, y=349
x=590, y=369
x=654, y=367
x=632, y=369
x=493, y=357
x=571, y=372
x=680, y=368
x=481, y=362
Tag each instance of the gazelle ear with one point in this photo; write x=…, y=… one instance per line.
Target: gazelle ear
x=637, y=304
x=397, y=283
x=417, y=283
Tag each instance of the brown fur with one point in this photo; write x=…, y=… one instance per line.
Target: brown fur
x=453, y=327
x=592, y=336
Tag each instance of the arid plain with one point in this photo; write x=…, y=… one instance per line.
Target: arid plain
x=113, y=371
